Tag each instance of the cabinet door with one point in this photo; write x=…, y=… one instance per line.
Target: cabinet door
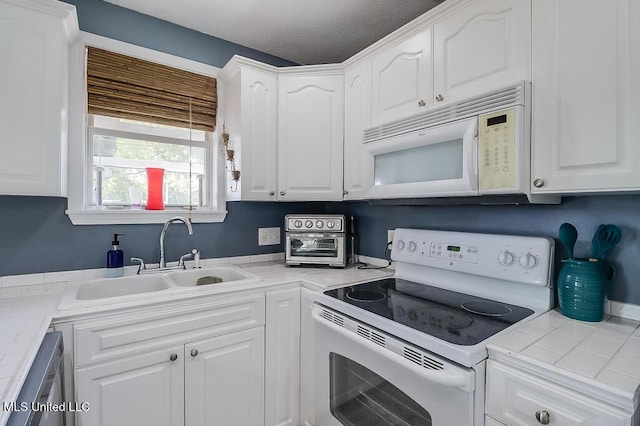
x=402, y=79
x=586, y=96
x=514, y=397
x=358, y=164
x=481, y=46
x=307, y=365
x=310, y=133
x=259, y=100
x=34, y=108
x=225, y=380
x=282, y=386
x=140, y=390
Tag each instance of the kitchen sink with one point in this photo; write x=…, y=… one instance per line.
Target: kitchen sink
x=124, y=286
x=213, y=276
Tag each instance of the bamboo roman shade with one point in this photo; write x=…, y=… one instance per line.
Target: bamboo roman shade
x=125, y=87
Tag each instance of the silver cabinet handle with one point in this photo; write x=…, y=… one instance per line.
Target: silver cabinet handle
x=421, y=103
x=194, y=353
x=281, y=192
x=173, y=357
x=538, y=183
x=345, y=192
x=439, y=98
x=271, y=193
x=542, y=417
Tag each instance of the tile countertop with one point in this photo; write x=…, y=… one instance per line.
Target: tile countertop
x=601, y=359
x=26, y=312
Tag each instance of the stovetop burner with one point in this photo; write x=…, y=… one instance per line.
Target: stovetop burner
x=450, y=316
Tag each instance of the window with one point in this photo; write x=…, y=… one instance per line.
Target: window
x=143, y=109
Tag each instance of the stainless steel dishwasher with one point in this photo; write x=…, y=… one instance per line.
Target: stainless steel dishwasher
x=43, y=387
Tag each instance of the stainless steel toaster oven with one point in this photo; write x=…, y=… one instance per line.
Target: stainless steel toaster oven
x=315, y=240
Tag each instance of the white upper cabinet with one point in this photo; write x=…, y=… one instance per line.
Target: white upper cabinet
x=357, y=99
x=310, y=134
x=34, y=83
x=250, y=113
x=402, y=81
x=481, y=46
x=586, y=96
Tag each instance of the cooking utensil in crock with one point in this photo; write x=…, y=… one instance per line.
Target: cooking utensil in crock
x=568, y=235
x=605, y=238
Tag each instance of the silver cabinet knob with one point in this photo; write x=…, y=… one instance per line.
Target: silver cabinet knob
x=421, y=103
x=345, y=192
x=542, y=417
x=281, y=192
x=173, y=357
x=272, y=193
x=194, y=353
x=439, y=98
x=538, y=183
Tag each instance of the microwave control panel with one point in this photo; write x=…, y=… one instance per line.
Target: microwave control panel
x=497, y=150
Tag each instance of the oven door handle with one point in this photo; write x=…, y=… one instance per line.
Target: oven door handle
x=446, y=377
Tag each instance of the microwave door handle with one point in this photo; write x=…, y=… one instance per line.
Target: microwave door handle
x=475, y=151
x=470, y=138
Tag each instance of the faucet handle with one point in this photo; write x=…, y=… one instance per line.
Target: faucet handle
x=141, y=264
x=182, y=259
x=196, y=258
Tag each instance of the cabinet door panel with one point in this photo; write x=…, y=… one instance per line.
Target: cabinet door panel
x=226, y=380
x=481, y=46
x=259, y=125
x=402, y=79
x=143, y=390
x=282, y=358
x=358, y=165
x=585, y=103
x=310, y=138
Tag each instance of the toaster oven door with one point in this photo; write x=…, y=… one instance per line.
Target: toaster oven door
x=315, y=248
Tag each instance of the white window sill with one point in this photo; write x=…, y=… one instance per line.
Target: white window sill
x=125, y=216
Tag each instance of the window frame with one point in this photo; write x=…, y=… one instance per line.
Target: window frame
x=79, y=208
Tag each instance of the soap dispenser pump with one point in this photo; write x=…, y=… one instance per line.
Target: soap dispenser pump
x=115, y=259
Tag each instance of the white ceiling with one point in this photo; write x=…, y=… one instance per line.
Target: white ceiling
x=302, y=31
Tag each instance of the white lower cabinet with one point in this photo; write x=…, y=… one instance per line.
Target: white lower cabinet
x=282, y=358
x=140, y=390
x=225, y=380
x=192, y=364
x=307, y=365
x=514, y=397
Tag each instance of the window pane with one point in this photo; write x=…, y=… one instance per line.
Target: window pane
x=122, y=162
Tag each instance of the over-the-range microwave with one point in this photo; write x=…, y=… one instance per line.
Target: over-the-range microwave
x=478, y=147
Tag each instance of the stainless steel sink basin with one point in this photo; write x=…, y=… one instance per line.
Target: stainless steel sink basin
x=124, y=286
x=213, y=276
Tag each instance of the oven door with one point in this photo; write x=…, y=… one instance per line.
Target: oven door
x=319, y=248
x=361, y=379
x=439, y=161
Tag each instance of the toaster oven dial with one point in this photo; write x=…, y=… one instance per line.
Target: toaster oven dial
x=330, y=224
x=308, y=223
x=297, y=223
x=319, y=224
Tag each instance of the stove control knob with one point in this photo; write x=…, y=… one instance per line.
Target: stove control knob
x=297, y=223
x=319, y=224
x=308, y=223
x=400, y=245
x=506, y=258
x=412, y=246
x=528, y=261
x=330, y=224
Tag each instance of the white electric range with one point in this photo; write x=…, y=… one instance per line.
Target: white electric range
x=411, y=349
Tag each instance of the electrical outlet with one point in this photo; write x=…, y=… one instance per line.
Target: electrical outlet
x=390, y=233
x=269, y=236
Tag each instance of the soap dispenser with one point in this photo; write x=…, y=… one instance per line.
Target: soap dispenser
x=115, y=259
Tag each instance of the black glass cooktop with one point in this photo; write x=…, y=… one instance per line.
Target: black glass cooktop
x=454, y=317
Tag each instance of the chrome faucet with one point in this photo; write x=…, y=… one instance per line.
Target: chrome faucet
x=163, y=264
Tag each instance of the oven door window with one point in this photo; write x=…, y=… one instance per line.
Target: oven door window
x=361, y=397
x=313, y=245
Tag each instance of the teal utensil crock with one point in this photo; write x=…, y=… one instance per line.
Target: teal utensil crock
x=582, y=289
